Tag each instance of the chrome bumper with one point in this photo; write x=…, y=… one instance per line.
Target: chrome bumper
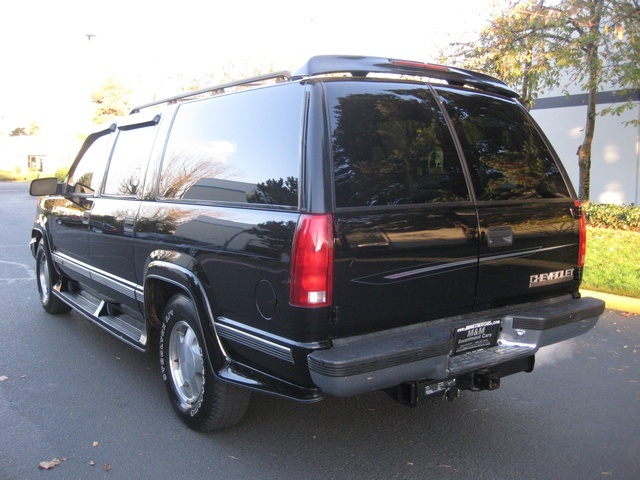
x=366, y=363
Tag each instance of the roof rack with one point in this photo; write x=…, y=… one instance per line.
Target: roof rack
x=218, y=89
x=360, y=66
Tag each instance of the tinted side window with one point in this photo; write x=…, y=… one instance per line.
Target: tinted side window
x=129, y=161
x=88, y=173
x=242, y=147
x=507, y=157
x=391, y=146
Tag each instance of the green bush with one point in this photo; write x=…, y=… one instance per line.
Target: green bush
x=61, y=173
x=618, y=217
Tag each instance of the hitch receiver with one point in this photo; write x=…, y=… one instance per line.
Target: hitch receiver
x=486, y=380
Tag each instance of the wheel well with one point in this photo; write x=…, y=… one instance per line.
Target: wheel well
x=157, y=295
x=158, y=292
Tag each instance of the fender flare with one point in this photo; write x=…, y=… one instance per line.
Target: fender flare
x=189, y=284
x=38, y=234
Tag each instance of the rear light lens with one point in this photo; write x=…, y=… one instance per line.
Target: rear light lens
x=419, y=65
x=312, y=262
x=582, y=249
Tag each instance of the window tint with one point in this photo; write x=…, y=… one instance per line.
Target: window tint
x=507, y=157
x=129, y=161
x=88, y=173
x=391, y=146
x=242, y=147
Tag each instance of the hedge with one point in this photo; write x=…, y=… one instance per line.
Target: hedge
x=618, y=217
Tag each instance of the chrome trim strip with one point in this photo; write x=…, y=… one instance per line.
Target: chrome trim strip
x=116, y=285
x=522, y=253
x=418, y=271
x=120, y=285
x=426, y=270
x=275, y=339
x=254, y=342
x=71, y=264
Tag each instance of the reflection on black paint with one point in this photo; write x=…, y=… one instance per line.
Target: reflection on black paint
x=274, y=237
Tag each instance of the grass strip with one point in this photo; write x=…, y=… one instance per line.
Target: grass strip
x=613, y=262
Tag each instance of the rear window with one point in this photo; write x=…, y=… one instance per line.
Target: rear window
x=506, y=155
x=391, y=146
x=242, y=147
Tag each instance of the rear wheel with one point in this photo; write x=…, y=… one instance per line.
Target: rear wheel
x=201, y=400
x=47, y=277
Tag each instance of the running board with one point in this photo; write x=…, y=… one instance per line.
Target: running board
x=125, y=327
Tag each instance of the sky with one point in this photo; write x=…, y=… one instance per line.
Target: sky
x=50, y=66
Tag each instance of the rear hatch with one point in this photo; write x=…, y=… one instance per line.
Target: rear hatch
x=431, y=223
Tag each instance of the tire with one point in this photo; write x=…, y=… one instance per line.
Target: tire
x=199, y=398
x=47, y=277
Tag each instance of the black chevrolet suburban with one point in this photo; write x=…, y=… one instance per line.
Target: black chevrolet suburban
x=361, y=224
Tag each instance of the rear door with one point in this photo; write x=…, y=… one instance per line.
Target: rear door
x=528, y=235
x=407, y=244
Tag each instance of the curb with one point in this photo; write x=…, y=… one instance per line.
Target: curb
x=616, y=302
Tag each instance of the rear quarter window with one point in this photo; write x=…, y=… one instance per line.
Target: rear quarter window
x=242, y=148
x=507, y=157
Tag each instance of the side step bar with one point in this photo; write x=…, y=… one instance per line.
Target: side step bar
x=125, y=327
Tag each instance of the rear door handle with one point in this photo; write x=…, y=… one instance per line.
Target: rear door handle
x=499, y=236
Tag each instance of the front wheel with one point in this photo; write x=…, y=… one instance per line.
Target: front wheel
x=47, y=277
x=201, y=400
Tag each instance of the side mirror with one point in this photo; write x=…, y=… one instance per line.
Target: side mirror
x=44, y=186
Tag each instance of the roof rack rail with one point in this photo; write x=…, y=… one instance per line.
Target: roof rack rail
x=283, y=75
x=361, y=66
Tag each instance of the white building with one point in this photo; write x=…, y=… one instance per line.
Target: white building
x=42, y=153
x=615, y=155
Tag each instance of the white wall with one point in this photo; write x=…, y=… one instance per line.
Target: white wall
x=615, y=157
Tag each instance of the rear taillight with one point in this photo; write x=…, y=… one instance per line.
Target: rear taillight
x=582, y=249
x=419, y=65
x=312, y=262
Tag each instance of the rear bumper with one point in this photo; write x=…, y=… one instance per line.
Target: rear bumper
x=381, y=360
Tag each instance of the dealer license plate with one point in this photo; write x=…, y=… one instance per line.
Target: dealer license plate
x=476, y=336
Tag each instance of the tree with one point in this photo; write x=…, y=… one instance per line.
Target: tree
x=536, y=44
x=112, y=100
x=34, y=129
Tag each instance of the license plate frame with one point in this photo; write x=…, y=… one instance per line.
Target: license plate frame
x=476, y=336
